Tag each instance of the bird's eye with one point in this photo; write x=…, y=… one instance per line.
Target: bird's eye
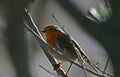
x=51, y=29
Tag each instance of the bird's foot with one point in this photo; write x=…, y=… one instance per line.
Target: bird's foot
x=56, y=66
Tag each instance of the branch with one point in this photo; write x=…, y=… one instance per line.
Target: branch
x=47, y=70
x=106, y=65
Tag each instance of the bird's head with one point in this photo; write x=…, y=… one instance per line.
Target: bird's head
x=51, y=31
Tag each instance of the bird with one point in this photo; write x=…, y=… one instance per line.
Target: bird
x=59, y=39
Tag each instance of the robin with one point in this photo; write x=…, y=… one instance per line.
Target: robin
x=59, y=39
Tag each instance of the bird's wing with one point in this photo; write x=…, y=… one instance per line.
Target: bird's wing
x=64, y=43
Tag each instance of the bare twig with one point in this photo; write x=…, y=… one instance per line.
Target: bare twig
x=47, y=70
x=59, y=24
x=106, y=65
x=28, y=20
x=53, y=16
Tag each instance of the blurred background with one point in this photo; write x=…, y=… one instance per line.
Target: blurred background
x=97, y=12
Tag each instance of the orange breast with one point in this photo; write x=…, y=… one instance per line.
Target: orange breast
x=50, y=37
x=50, y=40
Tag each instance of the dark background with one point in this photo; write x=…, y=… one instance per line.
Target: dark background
x=108, y=33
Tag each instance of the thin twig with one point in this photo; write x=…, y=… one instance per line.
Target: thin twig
x=84, y=70
x=106, y=65
x=28, y=18
x=53, y=16
x=47, y=70
x=59, y=24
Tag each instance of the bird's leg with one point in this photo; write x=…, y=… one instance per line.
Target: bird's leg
x=56, y=66
x=68, y=70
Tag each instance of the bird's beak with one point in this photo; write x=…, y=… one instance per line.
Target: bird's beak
x=43, y=31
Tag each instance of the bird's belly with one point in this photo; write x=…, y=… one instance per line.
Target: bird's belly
x=69, y=54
